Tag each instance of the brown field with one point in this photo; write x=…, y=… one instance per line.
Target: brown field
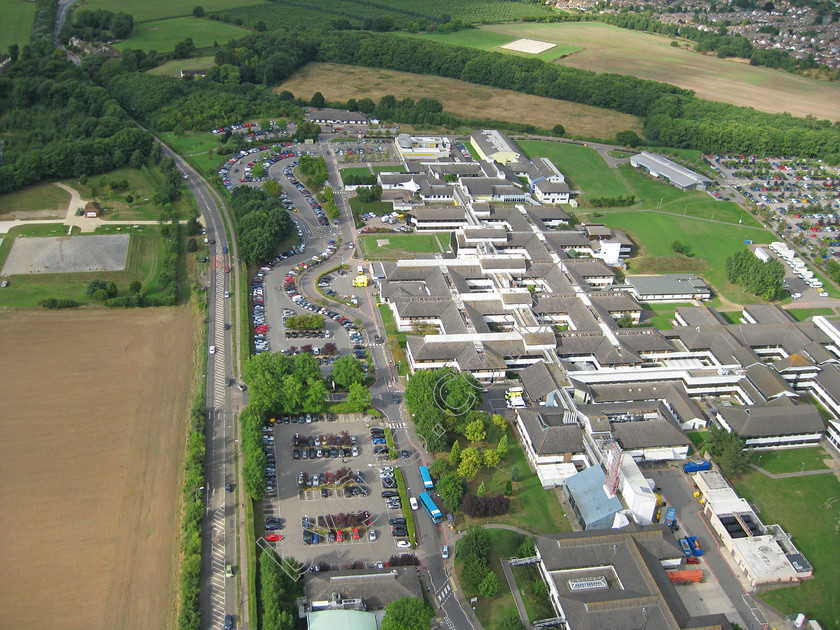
x=91, y=445
x=607, y=48
x=340, y=82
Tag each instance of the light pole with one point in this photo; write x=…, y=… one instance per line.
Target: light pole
x=803, y=468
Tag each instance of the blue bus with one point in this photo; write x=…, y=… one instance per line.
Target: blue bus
x=427, y=478
x=430, y=507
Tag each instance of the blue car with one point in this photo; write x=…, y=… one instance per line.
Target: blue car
x=228, y=622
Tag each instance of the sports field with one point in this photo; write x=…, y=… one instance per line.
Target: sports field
x=91, y=449
x=158, y=9
x=16, y=24
x=388, y=246
x=162, y=35
x=488, y=40
x=466, y=100
x=607, y=48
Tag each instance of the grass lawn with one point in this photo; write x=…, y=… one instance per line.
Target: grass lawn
x=487, y=40
x=606, y=48
x=697, y=438
x=173, y=68
x=145, y=253
x=16, y=25
x=531, y=507
x=164, y=34
x=710, y=243
x=191, y=142
x=398, y=246
x=142, y=185
x=801, y=314
x=356, y=170
x=158, y=9
x=393, y=168
x=377, y=207
x=791, y=460
x=808, y=508
x=41, y=197
x=663, y=314
x=466, y=100
x=503, y=544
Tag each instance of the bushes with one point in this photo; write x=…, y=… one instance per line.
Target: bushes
x=55, y=303
x=315, y=168
x=480, y=507
x=474, y=550
x=254, y=461
x=621, y=201
x=355, y=179
x=302, y=322
x=763, y=279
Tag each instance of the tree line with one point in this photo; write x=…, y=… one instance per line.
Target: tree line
x=97, y=25
x=764, y=279
x=262, y=223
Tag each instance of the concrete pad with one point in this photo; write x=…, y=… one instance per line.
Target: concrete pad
x=67, y=254
x=382, y=242
x=530, y=46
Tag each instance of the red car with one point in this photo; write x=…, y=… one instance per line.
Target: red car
x=227, y=269
x=355, y=533
x=273, y=537
x=693, y=560
x=339, y=537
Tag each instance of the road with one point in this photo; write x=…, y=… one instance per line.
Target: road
x=221, y=515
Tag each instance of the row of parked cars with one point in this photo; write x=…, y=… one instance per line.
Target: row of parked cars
x=271, y=462
x=308, y=196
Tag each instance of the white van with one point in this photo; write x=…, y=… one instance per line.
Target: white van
x=360, y=269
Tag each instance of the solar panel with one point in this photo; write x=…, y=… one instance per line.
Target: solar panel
x=587, y=583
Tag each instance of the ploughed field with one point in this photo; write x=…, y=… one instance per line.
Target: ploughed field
x=94, y=404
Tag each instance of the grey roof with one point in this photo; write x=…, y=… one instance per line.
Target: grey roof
x=491, y=141
x=829, y=380
x=647, y=434
x=338, y=115
x=546, y=186
x=638, y=594
x=768, y=314
x=664, y=167
x=586, y=491
x=668, y=284
x=549, y=435
x=589, y=267
x=540, y=379
x=768, y=381
x=439, y=213
x=700, y=316
x=779, y=417
x=376, y=587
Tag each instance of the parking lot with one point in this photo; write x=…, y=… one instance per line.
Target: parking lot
x=325, y=508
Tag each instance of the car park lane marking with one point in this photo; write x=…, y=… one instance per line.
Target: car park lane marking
x=217, y=562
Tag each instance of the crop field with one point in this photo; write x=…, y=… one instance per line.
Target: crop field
x=163, y=35
x=173, y=68
x=374, y=246
x=606, y=48
x=91, y=446
x=45, y=201
x=16, y=24
x=490, y=41
x=466, y=100
x=808, y=508
x=159, y=9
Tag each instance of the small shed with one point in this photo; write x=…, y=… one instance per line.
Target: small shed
x=92, y=209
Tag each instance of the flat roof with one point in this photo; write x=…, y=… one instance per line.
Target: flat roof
x=659, y=165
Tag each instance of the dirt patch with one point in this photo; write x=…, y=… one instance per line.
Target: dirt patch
x=467, y=100
x=91, y=446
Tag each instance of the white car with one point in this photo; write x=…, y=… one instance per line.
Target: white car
x=823, y=293
x=413, y=502
x=212, y=349
x=403, y=544
x=372, y=535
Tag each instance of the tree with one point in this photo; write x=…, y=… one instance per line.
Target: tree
x=358, y=397
x=502, y=449
x=272, y=188
x=628, y=138
x=135, y=287
x=407, y=613
x=508, y=488
x=198, y=11
x=318, y=100
x=475, y=431
x=470, y=462
x=184, y=49
x=527, y=548
x=540, y=589
x=14, y=52
x=347, y=370
x=455, y=453
x=681, y=248
x=315, y=397
x=439, y=467
x=451, y=490
x=481, y=492
x=558, y=130
x=489, y=586
x=491, y=458
x=514, y=473
x=625, y=321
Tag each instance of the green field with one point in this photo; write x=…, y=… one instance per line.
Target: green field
x=792, y=460
x=488, y=40
x=801, y=314
x=16, y=24
x=162, y=35
x=142, y=185
x=144, y=263
x=394, y=168
x=710, y=243
x=399, y=245
x=41, y=197
x=809, y=509
x=191, y=142
x=606, y=48
x=356, y=170
x=173, y=68
x=503, y=544
x=159, y=9
x=663, y=314
x=377, y=207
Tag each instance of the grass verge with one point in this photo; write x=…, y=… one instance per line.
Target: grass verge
x=791, y=460
x=389, y=440
x=537, y=606
x=406, y=508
